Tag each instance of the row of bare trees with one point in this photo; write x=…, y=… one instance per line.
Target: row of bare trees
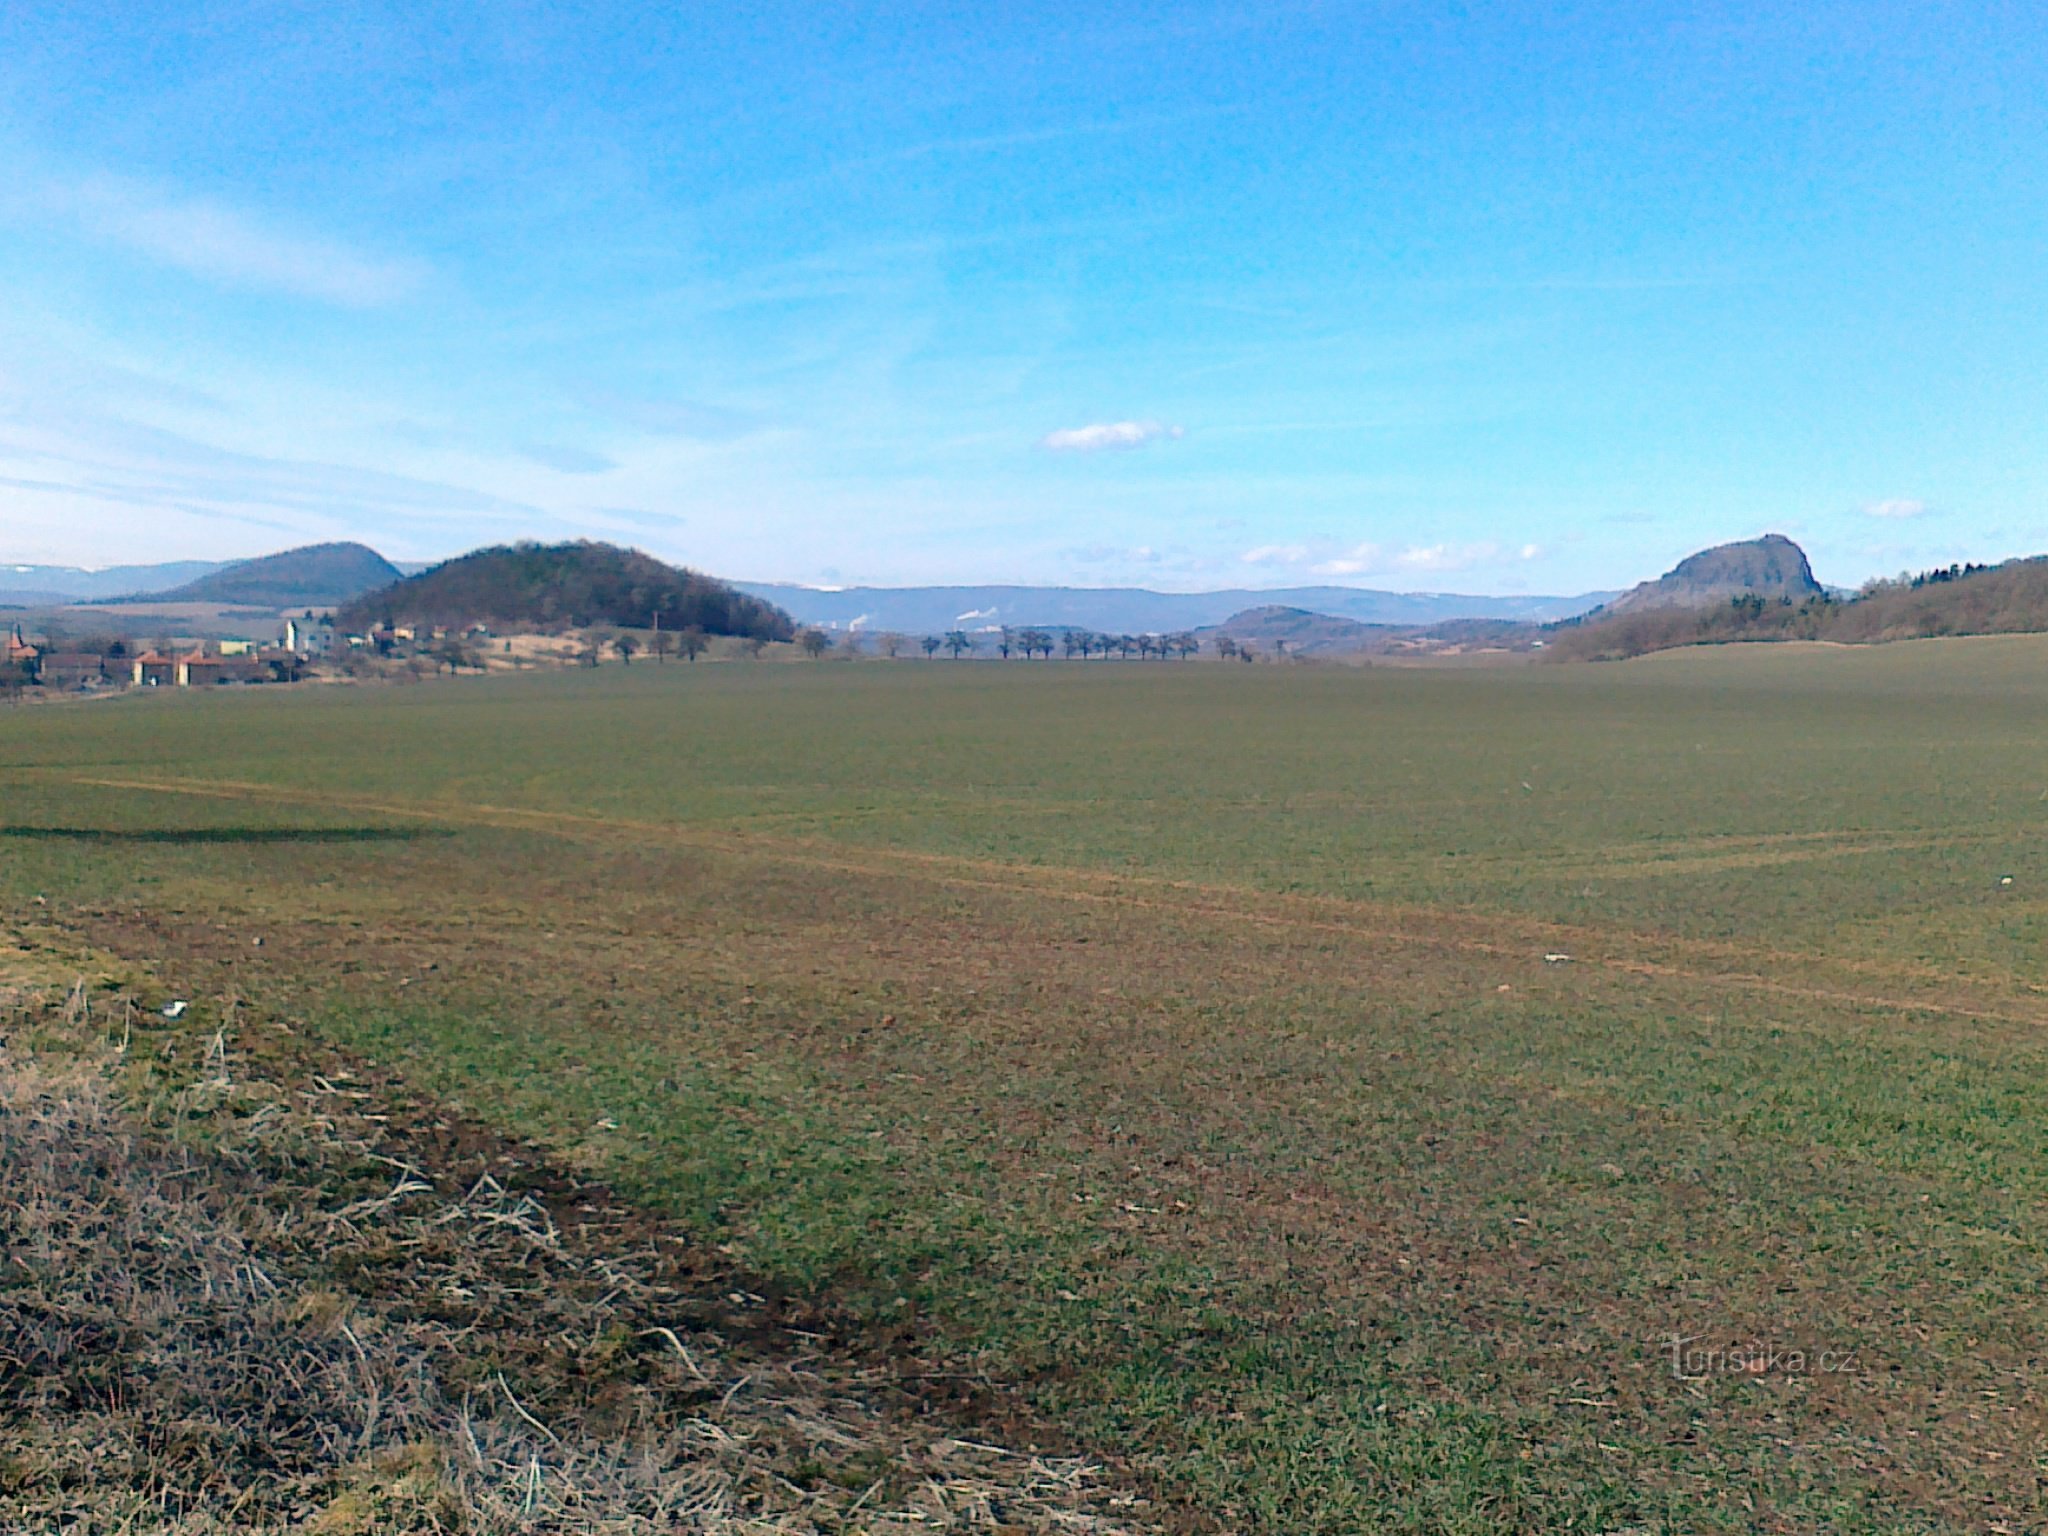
x=1072, y=643
x=1007, y=643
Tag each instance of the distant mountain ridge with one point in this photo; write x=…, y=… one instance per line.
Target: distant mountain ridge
x=1133, y=610
x=51, y=585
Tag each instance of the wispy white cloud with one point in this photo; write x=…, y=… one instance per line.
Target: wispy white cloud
x=566, y=459
x=1898, y=508
x=1370, y=559
x=1115, y=554
x=1112, y=436
x=692, y=419
x=642, y=518
x=230, y=245
x=107, y=458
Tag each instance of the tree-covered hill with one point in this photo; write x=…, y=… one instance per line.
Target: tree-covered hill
x=554, y=587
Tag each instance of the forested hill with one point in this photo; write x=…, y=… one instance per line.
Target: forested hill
x=565, y=586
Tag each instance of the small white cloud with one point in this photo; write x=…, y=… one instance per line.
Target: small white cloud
x=1114, y=436
x=1276, y=554
x=1896, y=508
x=224, y=244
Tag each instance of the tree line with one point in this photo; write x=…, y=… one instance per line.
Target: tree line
x=1040, y=644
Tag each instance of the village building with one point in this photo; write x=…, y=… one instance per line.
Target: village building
x=20, y=653
x=153, y=669
x=75, y=669
x=196, y=669
x=308, y=636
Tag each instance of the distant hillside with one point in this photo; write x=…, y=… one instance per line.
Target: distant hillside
x=317, y=576
x=565, y=586
x=2011, y=598
x=1772, y=566
x=1270, y=630
x=1132, y=610
x=1274, y=627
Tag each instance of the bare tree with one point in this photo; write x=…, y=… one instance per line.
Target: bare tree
x=626, y=646
x=957, y=641
x=931, y=644
x=814, y=642
x=1226, y=648
x=889, y=643
x=662, y=642
x=691, y=642
x=1186, y=644
x=1004, y=642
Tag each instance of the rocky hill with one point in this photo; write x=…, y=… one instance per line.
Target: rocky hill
x=2009, y=598
x=1772, y=567
x=553, y=587
x=315, y=576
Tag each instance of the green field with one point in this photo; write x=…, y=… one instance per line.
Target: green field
x=1173, y=1050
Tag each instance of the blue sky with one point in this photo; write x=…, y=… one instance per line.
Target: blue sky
x=1499, y=299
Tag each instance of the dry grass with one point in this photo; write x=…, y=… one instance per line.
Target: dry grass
x=228, y=1303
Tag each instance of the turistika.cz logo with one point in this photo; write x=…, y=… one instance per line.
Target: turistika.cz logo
x=1693, y=1360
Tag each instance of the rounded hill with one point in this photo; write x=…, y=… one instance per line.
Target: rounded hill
x=315, y=576
x=553, y=587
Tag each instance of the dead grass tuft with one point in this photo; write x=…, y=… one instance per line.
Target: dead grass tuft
x=225, y=1305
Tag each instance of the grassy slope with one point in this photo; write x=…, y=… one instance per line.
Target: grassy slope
x=1178, y=1042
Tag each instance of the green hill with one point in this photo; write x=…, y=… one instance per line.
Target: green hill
x=316, y=576
x=553, y=587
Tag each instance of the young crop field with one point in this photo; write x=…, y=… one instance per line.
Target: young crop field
x=1589, y=1098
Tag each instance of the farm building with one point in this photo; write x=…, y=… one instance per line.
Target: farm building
x=153, y=669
